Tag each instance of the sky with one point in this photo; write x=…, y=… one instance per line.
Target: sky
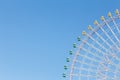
x=36, y=35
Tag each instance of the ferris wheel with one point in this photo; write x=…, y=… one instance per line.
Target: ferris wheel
x=97, y=55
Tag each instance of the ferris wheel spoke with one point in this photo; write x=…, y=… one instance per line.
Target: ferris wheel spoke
x=99, y=44
x=84, y=69
x=93, y=47
x=96, y=53
x=111, y=31
x=109, y=62
x=108, y=36
x=102, y=77
x=84, y=75
x=89, y=58
x=104, y=55
x=92, y=53
x=83, y=63
x=113, y=54
x=101, y=37
x=115, y=24
x=105, y=41
x=106, y=76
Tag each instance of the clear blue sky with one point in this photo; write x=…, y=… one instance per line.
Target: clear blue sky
x=36, y=35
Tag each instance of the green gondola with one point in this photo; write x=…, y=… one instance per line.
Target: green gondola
x=78, y=38
x=64, y=75
x=74, y=45
x=70, y=52
x=68, y=59
x=65, y=67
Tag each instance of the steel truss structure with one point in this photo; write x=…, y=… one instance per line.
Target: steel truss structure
x=97, y=55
